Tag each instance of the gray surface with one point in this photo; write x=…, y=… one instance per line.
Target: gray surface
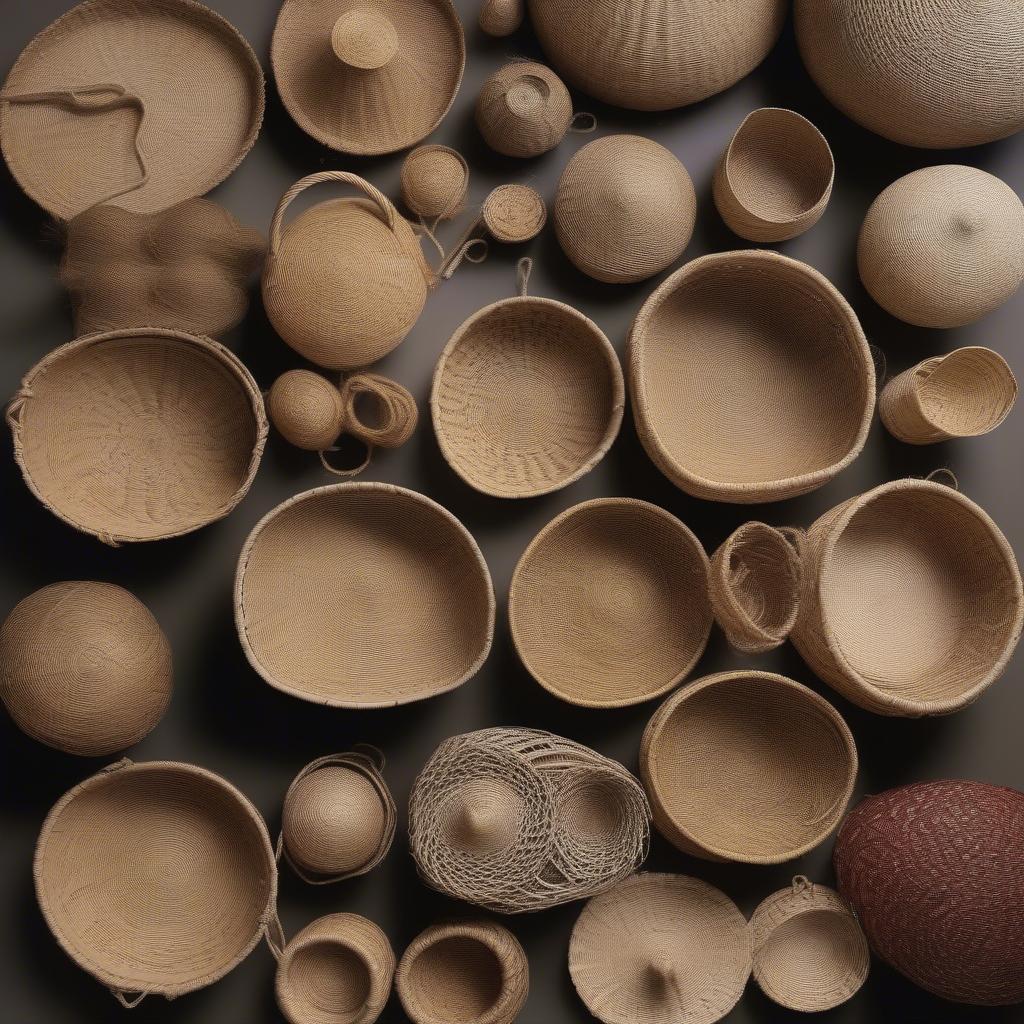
x=226, y=719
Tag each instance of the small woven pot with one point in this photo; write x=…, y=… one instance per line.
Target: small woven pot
x=306, y=409
x=501, y=18
x=747, y=766
x=434, y=181
x=912, y=600
x=775, y=178
x=472, y=972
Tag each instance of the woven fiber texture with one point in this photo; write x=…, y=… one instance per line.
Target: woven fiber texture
x=750, y=401
x=501, y=18
x=517, y=820
x=747, y=766
x=943, y=246
x=609, y=604
x=434, y=181
x=625, y=209
x=775, y=178
x=84, y=668
x=377, y=410
x=306, y=409
x=156, y=878
x=363, y=595
x=933, y=871
x=523, y=110
x=933, y=73
x=138, y=434
x=660, y=949
x=911, y=602
x=514, y=213
x=368, y=77
x=141, y=102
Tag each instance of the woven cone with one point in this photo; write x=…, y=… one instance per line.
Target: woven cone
x=306, y=409
x=501, y=18
x=523, y=110
x=434, y=182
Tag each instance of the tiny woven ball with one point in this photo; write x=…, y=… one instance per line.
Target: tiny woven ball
x=500, y=18
x=434, y=180
x=307, y=409
x=523, y=110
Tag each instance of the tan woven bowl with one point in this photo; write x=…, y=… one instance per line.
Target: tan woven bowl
x=747, y=766
x=363, y=595
x=912, y=601
x=609, y=604
x=754, y=401
x=139, y=434
x=156, y=878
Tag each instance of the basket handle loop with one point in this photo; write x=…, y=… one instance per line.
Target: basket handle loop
x=945, y=476
x=346, y=472
x=802, y=885
x=274, y=934
x=523, y=270
x=129, y=1002
x=583, y=123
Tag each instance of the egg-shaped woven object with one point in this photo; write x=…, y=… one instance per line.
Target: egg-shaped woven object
x=933, y=872
x=501, y=18
x=434, y=181
x=523, y=110
x=306, y=409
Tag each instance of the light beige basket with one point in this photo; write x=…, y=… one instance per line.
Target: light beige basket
x=139, y=434
x=501, y=18
x=434, y=181
x=306, y=409
x=912, y=601
x=750, y=401
x=747, y=766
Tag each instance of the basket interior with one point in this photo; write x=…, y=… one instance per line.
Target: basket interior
x=967, y=393
x=328, y=983
x=763, y=578
x=456, y=979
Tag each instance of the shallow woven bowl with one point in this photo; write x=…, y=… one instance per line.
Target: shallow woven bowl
x=156, y=878
x=912, y=601
x=139, y=434
x=609, y=604
x=753, y=401
x=363, y=595
x=747, y=766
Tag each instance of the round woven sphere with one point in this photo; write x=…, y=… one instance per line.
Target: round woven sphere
x=501, y=18
x=514, y=213
x=625, y=209
x=306, y=409
x=523, y=110
x=939, y=74
x=434, y=181
x=943, y=246
x=84, y=668
x=933, y=872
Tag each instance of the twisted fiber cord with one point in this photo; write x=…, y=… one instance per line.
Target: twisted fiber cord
x=501, y=18
x=523, y=110
x=393, y=414
x=434, y=181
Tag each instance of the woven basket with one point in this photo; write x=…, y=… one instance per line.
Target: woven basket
x=912, y=601
x=501, y=18
x=142, y=104
x=775, y=178
x=943, y=246
x=660, y=948
x=625, y=209
x=337, y=970
x=809, y=951
x=754, y=401
x=363, y=595
x=609, y=603
x=747, y=766
x=84, y=668
x=306, y=409
x=156, y=878
x=933, y=872
x=434, y=182
x=940, y=75
x=472, y=972
x=139, y=434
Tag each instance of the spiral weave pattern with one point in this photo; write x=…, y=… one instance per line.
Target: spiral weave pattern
x=501, y=18
x=523, y=110
x=306, y=409
x=434, y=180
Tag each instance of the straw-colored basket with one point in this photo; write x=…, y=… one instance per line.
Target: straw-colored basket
x=500, y=18
x=434, y=181
x=306, y=409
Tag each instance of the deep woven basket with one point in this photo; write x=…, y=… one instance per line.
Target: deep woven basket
x=434, y=180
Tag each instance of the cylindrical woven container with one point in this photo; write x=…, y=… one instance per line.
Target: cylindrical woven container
x=660, y=948
x=501, y=18
x=754, y=401
x=306, y=409
x=434, y=180
x=363, y=595
x=775, y=178
x=963, y=394
x=609, y=604
x=912, y=601
x=139, y=434
x=472, y=972
x=747, y=766
x=337, y=970
x=943, y=246
x=933, y=872
x=809, y=951
x=156, y=878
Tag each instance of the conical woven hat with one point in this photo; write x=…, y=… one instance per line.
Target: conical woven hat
x=523, y=110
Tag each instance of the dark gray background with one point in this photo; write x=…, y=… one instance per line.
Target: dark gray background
x=225, y=718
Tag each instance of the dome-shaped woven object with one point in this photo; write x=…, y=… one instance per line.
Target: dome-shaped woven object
x=306, y=409
x=941, y=74
x=754, y=401
x=943, y=246
x=660, y=948
x=775, y=179
x=84, y=668
x=609, y=604
x=337, y=970
x=747, y=766
x=933, y=872
x=139, y=434
x=141, y=104
x=501, y=18
x=363, y=595
x=912, y=601
x=625, y=209
x=156, y=878
x=434, y=182
x=656, y=55
x=809, y=951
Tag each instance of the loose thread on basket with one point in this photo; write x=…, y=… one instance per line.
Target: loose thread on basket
x=523, y=270
x=274, y=935
x=128, y=1003
x=943, y=471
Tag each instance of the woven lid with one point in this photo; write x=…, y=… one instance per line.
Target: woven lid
x=140, y=104
x=514, y=213
x=368, y=77
x=501, y=17
x=523, y=109
x=434, y=181
x=307, y=410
